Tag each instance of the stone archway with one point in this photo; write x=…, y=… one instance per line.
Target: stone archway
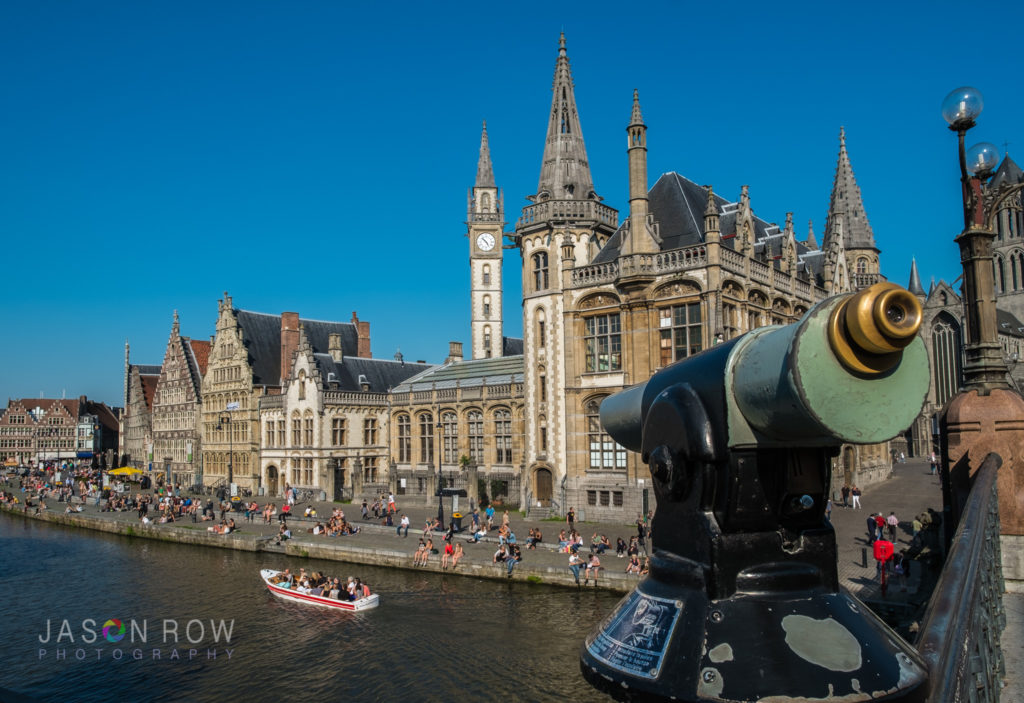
x=542, y=487
x=271, y=480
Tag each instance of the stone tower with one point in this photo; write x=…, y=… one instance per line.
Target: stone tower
x=858, y=239
x=564, y=225
x=485, y=222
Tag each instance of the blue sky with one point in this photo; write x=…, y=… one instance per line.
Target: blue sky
x=315, y=156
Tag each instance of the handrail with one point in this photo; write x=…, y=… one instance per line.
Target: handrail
x=961, y=628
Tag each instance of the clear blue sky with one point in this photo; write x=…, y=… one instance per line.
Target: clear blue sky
x=315, y=156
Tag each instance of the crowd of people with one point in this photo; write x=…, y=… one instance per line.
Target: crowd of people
x=317, y=584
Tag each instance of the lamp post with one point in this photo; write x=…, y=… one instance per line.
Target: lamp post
x=987, y=415
x=222, y=421
x=440, y=479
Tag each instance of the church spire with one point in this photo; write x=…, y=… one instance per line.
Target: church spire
x=484, y=170
x=564, y=172
x=846, y=199
x=915, y=281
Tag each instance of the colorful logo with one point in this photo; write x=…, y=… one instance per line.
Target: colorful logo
x=113, y=630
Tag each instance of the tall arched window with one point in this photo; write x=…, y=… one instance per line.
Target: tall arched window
x=487, y=274
x=946, y=358
x=475, y=432
x=503, y=436
x=487, y=340
x=427, y=438
x=487, y=306
x=404, y=438
x=862, y=265
x=540, y=271
x=296, y=430
x=605, y=454
x=542, y=331
x=450, y=437
x=999, y=273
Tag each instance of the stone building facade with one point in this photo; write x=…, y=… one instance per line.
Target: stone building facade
x=249, y=359
x=140, y=382
x=177, y=407
x=463, y=421
x=327, y=430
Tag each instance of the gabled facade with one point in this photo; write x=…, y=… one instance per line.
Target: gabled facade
x=250, y=358
x=328, y=428
x=137, y=425
x=177, y=406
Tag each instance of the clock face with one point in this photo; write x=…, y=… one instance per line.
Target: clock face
x=485, y=241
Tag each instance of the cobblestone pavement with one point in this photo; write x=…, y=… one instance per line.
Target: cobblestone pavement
x=909, y=491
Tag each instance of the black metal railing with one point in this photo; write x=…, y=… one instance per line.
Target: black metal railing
x=960, y=631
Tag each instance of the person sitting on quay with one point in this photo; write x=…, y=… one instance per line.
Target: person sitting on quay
x=633, y=567
x=430, y=549
x=418, y=554
x=620, y=547
x=458, y=554
x=479, y=534
x=593, y=567
x=563, y=541
x=310, y=511
x=283, y=534
x=430, y=525
x=513, y=557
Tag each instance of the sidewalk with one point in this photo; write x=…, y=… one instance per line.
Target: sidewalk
x=910, y=491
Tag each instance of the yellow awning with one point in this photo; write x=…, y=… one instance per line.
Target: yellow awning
x=125, y=471
x=11, y=462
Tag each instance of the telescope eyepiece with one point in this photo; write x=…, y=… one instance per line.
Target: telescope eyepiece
x=869, y=330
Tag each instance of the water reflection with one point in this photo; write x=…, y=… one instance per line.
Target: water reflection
x=434, y=637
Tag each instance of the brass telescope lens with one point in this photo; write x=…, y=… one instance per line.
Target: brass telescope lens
x=868, y=331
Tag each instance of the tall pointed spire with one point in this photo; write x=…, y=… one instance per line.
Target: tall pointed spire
x=811, y=242
x=484, y=170
x=564, y=172
x=846, y=199
x=915, y=281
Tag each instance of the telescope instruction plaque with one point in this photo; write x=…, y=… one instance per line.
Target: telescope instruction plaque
x=635, y=639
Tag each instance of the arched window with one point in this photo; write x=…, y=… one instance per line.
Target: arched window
x=542, y=332
x=450, y=437
x=487, y=340
x=404, y=438
x=999, y=273
x=427, y=438
x=296, y=430
x=487, y=306
x=485, y=202
x=503, y=436
x=302, y=385
x=946, y=359
x=681, y=331
x=308, y=429
x=540, y=271
x=862, y=265
x=605, y=454
x=475, y=432
x=487, y=274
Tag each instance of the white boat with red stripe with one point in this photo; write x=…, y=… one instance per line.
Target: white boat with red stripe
x=292, y=594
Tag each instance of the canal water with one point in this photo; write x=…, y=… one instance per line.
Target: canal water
x=433, y=638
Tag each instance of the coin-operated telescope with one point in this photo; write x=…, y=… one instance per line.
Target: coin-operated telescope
x=743, y=602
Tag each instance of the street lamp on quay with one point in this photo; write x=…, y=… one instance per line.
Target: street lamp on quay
x=986, y=416
x=224, y=421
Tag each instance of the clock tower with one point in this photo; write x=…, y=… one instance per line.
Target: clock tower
x=485, y=222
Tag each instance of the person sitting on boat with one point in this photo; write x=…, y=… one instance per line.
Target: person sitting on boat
x=357, y=589
x=284, y=578
x=350, y=589
x=334, y=589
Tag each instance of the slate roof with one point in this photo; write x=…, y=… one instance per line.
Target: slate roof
x=147, y=369
x=381, y=374
x=678, y=205
x=46, y=404
x=105, y=414
x=511, y=346
x=261, y=334
x=466, y=374
x=1008, y=324
x=1008, y=173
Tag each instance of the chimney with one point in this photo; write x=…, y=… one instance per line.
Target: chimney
x=454, y=352
x=289, y=342
x=363, y=330
x=334, y=346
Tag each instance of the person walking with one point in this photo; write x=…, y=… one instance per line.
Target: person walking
x=933, y=463
x=855, y=493
x=828, y=510
x=892, y=522
x=846, y=496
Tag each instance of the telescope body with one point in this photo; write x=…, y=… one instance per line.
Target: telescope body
x=743, y=600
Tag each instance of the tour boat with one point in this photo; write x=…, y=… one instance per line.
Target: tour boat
x=365, y=603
